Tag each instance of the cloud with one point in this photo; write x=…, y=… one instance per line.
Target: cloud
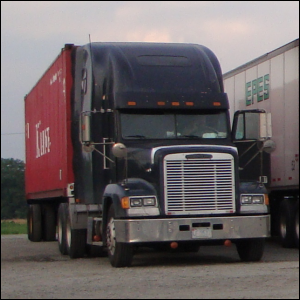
x=33, y=32
x=158, y=36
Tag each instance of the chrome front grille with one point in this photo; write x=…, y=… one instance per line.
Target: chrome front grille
x=199, y=185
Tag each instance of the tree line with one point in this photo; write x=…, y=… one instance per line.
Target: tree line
x=13, y=203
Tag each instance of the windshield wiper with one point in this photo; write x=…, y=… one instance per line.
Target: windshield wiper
x=136, y=136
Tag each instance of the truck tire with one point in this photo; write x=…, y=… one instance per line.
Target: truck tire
x=76, y=240
x=61, y=228
x=49, y=223
x=120, y=254
x=287, y=223
x=250, y=249
x=297, y=224
x=34, y=223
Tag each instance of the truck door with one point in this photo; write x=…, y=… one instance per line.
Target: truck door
x=251, y=133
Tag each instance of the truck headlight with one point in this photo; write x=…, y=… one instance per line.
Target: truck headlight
x=252, y=199
x=246, y=199
x=149, y=201
x=139, y=206
x=135, y=202
x=258, y=199
x=256, y=203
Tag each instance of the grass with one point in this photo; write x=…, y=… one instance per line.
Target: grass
x=15, y=226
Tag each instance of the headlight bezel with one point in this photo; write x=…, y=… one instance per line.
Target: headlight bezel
x=254, y=204
x=252, y=199
x=139, y=202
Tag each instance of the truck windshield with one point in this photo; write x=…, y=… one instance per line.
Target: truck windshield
x=174, y=126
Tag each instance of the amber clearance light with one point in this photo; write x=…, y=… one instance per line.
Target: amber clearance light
x=217, y=104
x=189, y=103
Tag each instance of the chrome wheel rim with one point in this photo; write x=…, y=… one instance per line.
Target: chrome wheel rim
x=111, y=236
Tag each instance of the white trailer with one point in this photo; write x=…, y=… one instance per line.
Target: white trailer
x=271, y=83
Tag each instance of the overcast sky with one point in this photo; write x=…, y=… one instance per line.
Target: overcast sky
x=33, y=33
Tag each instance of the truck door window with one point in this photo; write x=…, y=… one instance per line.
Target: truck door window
x=239, y=134
x=247, y=127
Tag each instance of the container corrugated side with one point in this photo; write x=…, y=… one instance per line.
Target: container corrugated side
x=48, y=132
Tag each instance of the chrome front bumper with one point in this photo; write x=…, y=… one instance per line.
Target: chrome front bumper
x=192, y=229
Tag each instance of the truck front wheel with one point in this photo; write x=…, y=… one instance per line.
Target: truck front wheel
x=34, y=223
x=120, y=254
x=250, y=249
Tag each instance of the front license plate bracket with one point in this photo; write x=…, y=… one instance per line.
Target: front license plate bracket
x=202, y=233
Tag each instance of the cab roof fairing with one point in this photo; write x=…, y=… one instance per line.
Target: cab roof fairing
x=117, y=66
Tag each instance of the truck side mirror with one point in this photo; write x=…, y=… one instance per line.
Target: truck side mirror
x=251, y=125
x=85, y=129
x=119, y=150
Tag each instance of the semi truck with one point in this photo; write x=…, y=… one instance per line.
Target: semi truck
x=271, y=83
x=130, y=145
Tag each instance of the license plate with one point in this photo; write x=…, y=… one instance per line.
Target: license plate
x=201, y=233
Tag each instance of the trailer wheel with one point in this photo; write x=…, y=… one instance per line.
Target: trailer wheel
x=61, y=228
x=120, y=254
x=76, y=240
x=286, y=223
x=34, y=223
x=297, y=225
x=49, y=223
x=250, y=249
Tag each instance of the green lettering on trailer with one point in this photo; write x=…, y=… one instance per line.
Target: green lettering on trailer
x=248, y=93
x=258, y=87
x=254, y=89
x=266, y=86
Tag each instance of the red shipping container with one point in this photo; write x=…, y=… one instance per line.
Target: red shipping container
x=48, y=131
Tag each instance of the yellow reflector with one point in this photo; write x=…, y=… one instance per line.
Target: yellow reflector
x=132, y=103
x=125, y=202
x=161, y=103
x=175, y=103
x=189, y=103
x=217, y=104
x=266, y=199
